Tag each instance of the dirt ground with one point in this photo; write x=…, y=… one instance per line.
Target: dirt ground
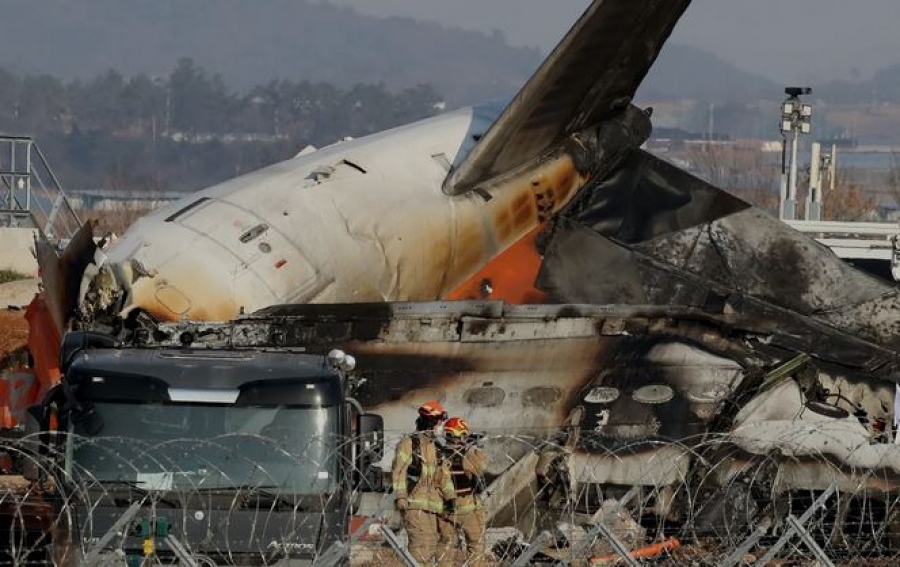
x=13, y=332
x=18, y=293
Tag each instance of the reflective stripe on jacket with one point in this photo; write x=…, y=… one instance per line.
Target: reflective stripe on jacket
x=432, y=485
x=468, y=504
x=467, y=472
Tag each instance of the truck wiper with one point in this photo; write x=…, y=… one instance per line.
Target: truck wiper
x=250, y=490
x=135, y=486
x=132, y=484
x=276, y=498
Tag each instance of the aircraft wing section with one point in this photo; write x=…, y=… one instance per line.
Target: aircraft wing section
x=61, y=274
x=591, y=75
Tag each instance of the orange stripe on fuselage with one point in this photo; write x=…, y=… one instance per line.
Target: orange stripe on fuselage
x=510, y=275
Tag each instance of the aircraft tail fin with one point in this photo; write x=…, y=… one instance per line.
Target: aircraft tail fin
x=589, y=77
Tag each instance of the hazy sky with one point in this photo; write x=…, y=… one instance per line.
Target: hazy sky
x=791, y=41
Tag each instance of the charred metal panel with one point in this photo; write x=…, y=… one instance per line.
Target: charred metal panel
x=649, y=281
x=483, y=330
x=61, y=274
x=652, y=234
x=647, y=197
x=772, y=332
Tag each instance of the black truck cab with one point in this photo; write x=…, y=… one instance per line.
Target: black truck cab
x=231, y=457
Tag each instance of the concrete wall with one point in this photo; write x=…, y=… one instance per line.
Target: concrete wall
x=16, y=250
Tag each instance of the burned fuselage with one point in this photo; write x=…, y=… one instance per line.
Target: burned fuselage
x=672, y=400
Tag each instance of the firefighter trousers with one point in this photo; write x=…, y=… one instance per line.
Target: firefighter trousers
x=422, y=531
x=472, y=525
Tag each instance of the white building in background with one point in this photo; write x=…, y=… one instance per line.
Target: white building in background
x=109, y=200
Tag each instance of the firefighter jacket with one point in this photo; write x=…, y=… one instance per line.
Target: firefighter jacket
x=418, y=474
x=466, y=468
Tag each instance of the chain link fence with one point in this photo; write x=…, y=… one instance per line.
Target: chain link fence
x=273, y=499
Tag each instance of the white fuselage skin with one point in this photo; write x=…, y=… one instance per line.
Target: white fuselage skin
x=361, y=220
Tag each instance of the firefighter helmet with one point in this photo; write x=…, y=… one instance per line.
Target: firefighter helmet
x=433, y=409
x=456, y=427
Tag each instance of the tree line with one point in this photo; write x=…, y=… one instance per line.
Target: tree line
x=187, y=130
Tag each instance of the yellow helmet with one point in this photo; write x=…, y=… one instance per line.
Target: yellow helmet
x=456, y=427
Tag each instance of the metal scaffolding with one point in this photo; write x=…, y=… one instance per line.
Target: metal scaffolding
x=30, y=193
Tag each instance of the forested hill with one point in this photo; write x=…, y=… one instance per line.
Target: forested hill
x=684, y=72
x=250, y=42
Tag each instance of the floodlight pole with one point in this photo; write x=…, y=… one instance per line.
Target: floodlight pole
x=791, y=206
x=782, y=197
x=814, y=198
x=795, y=119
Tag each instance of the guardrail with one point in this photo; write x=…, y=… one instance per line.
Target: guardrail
x=31, y=196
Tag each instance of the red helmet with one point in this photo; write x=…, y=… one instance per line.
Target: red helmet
x=433, y=409
x=457, y=427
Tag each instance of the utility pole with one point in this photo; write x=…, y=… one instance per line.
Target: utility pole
x=795, y=120
x=791, y=208
x=814, y=197
x=782, y=194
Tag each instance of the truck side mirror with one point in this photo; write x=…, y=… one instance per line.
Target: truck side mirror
x=370, y=428
x=370, y=450
x=77, y=341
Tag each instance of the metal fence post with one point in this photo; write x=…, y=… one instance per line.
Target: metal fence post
x=180, y=551
x=791, y=530
x=745, y=547
x=339, y=549
x=608, y=535
x=401, y=551
x=93, y=554
x=810, y=541
x=533, y=549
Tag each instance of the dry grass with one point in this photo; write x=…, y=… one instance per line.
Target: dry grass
x=13, y=333
x=116, y=219
x=7, y=276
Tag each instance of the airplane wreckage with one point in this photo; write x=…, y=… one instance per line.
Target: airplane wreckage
x=657, y=330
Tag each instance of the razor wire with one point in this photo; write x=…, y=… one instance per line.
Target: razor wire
x=251, y=499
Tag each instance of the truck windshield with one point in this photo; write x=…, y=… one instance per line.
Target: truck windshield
x=189, y=446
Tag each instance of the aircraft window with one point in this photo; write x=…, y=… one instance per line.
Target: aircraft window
x=653, y=394
x=186, y=209
x=485, y=397
x=602, y=395
x=540, y=396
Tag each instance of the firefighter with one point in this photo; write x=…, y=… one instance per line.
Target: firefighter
x=419, y=485
x=466, y=463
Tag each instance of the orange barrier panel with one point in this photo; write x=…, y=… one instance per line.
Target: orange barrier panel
x=642, y=553
x=43, y=344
